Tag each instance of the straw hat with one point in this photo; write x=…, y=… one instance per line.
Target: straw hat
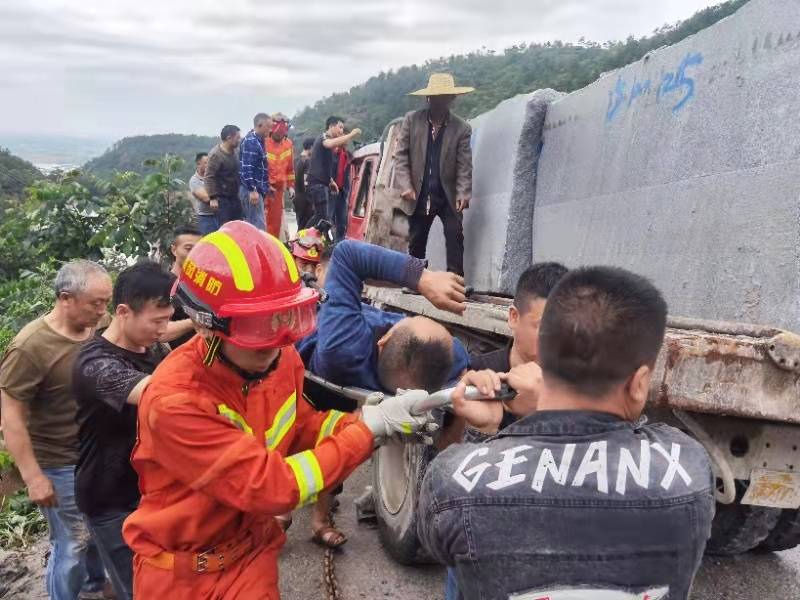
x=442, y=84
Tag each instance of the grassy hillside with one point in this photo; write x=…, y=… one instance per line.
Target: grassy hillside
x=15, y=174
x=130, y=153
x=497, y=76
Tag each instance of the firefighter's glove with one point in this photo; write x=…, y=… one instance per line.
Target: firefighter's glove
x=395, y=415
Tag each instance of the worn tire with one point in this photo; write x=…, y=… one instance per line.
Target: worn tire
x=785, y=535
x=738, y=528
x=397, y=472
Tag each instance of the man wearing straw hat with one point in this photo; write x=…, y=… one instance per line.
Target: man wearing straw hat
x=433, y=169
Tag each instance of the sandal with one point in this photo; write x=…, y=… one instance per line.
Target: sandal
x=329, y=537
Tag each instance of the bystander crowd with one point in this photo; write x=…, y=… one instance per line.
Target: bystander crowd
x=39, y=422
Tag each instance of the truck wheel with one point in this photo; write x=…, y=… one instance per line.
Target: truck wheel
x=397, y=472
x=785, y=535
x=738, y=527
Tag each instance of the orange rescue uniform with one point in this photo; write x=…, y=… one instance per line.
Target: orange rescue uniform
x=217, y=459
x=280, y=157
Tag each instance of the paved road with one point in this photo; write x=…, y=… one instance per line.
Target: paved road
x=365, y=571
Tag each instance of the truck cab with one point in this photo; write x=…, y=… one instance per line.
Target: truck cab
x=363, y=174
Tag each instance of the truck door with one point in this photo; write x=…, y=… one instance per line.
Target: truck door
x=360, y=201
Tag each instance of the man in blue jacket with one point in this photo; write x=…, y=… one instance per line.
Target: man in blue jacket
x=361, y=346
x=358, y=345
x=581, y=498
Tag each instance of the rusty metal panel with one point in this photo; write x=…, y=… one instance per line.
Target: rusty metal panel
x=777, y=489
x=480, y=316
x=724, y=374
x=698, y=370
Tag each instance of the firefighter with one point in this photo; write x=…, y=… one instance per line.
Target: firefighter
x=308, y=246
x=281, y=171
x=226, y=440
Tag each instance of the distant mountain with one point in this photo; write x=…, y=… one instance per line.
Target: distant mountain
x=15, y=174
x=130, y=153
x=47, y=151
x=496, y=76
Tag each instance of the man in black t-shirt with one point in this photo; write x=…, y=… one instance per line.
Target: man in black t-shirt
x=321, y=174
x=109, y=376
x=524, y=316
x=302, y=203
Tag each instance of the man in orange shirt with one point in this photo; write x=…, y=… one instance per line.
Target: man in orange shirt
x=280, y=156
x=226, y=439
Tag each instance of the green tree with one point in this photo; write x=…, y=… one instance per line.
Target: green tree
x=113, y=222
x=134, y=154
x=15, y=174
x=496, y=76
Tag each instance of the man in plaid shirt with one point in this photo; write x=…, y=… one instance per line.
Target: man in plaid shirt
x=253, y=173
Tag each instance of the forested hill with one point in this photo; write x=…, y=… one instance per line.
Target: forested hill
x=15, y=174
x=496, y=76
x=130, y=153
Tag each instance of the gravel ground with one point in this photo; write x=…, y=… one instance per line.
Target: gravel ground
x=365, y=571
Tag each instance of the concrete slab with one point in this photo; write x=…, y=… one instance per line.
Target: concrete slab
x=685, y=167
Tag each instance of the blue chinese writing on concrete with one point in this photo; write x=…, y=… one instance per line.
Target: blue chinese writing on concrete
x=677, y=81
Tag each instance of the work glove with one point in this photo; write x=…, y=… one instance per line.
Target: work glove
x=395, y=415
x=291, y=193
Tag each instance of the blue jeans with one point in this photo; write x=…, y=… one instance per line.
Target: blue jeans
x=253, y=214
x=230, y=209
x=74, y=563
x=451, y=586
x=207, y=223
x=117, y=556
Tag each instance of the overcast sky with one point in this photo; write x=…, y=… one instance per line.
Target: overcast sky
x=116, y=67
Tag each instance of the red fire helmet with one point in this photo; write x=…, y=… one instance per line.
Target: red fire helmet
x=243, y=284
x=308, y=245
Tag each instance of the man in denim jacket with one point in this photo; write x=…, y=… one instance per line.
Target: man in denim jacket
x=580, y=498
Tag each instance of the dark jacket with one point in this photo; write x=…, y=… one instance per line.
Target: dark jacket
x=300, y=174
x=455, y=163
x=222, y=174
x=344, y=348
x=570, y=499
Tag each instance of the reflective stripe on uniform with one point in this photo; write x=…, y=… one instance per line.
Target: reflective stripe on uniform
x=234, y=417
x=308, y=476
x=286, y=154
x=271, y=156
x=242, y=278
x=329, y=424
x=282, y=423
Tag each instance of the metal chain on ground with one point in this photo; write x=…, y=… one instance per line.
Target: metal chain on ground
x=329, y=569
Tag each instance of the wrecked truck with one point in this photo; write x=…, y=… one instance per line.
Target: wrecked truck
x=684, y=167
